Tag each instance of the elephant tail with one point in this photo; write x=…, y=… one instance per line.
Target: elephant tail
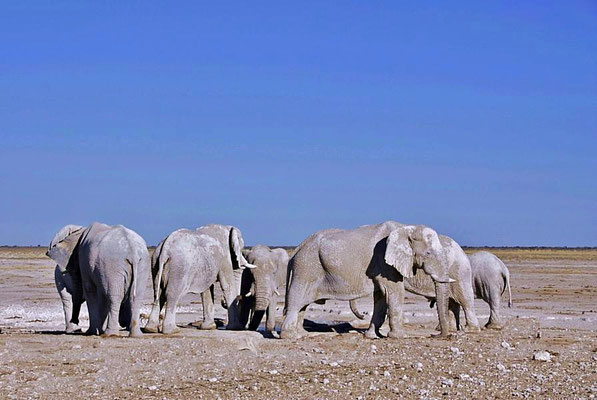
x=161, y=264
x=134, y=280
x=507, y=280
x=289, y=273
x=355, y=310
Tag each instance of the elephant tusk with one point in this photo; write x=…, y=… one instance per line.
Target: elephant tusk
x=249, y=294
x=276, y=292
x=439, y=280
x=250, y=266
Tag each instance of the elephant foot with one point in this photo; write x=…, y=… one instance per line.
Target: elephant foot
x=290, y=334
x=91, y=332
x=472, y=329
x=150, y=329
x=110, y=333
x=73, y=328
x=135, y=333
x=493, y=325
x=371, y=334
x=396, y=334
x=447, y=336
x=170, y=330
x=207, y=325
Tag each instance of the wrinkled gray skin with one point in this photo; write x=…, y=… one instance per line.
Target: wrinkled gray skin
x=114, y=265
x=111, y=265
x=350, y=264
x=188, y=261
x=461, y=291
x=491, y=278
x=60, y=250
x=259, y=286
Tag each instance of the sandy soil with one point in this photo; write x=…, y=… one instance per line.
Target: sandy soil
x=555, y=297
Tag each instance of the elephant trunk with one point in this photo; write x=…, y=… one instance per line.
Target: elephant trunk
x=262, y=295
x=442, y=297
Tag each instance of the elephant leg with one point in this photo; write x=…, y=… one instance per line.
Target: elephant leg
x=154, y=318
x=93, y=307
x=207, y=298
x=299, y=298
x=270, y=324
x=395, y=305
x=495, y=320
x=468, y=305
x=112, y=307
x=169, y=323
x=380, y=308
x=134, y=307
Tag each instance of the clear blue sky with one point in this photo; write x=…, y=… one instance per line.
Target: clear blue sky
x=479, y=120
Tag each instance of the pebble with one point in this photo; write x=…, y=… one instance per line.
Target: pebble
x=542, y=356
x=212, y=380
x=501, y=367
x=506, y=345
x=418, y=366
x=386, y=373
x=326, y=381
x=273, y=372
x=373, y=349
x=153, y=387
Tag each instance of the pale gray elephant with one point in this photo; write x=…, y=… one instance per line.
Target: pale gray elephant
x=350, y=264
x=259, y=286
x=191, y=261
x=71, y=293
x=461, y=291
x=491, y=278
x=108, y=266
x=114, y=270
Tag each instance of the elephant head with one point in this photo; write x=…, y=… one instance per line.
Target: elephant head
x=63, y=244
x=414, y=247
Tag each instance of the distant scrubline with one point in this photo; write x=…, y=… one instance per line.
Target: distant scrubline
x=191, y=261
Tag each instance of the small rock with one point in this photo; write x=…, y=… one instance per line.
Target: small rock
x=326, y=381
x=456, y=350
x=212, y=380
x=373, y=349
x=153, y=387
x=386, y=373
x=446, y=382
x=501, y=367
x=538, y=335
x=273, y=372
x=333, y=364
x=542, y=356
x=418, y=366
x=77, y=346
x=506, y=345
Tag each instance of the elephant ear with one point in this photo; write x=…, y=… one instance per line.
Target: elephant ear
x=63, y=245
x=399, y=252
x=236, y=244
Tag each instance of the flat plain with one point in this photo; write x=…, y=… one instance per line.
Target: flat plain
x=555, y=310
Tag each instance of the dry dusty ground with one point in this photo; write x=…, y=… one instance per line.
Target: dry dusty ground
x=555, y=293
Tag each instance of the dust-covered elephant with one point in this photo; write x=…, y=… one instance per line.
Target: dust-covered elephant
x=71, y=292
x=461, y=291
x=191, y=261
x=259, y=286
x=111, y=265
x=491, y=278
x=350, y=264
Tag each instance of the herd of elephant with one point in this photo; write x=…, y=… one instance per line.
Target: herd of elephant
x=108, y=267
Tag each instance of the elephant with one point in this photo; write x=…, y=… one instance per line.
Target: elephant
x=461, y=291
x=350, y=264
x=71, y=293
x=111, y=265
x=491, y=278
x=192, y=261
x=259, y=286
